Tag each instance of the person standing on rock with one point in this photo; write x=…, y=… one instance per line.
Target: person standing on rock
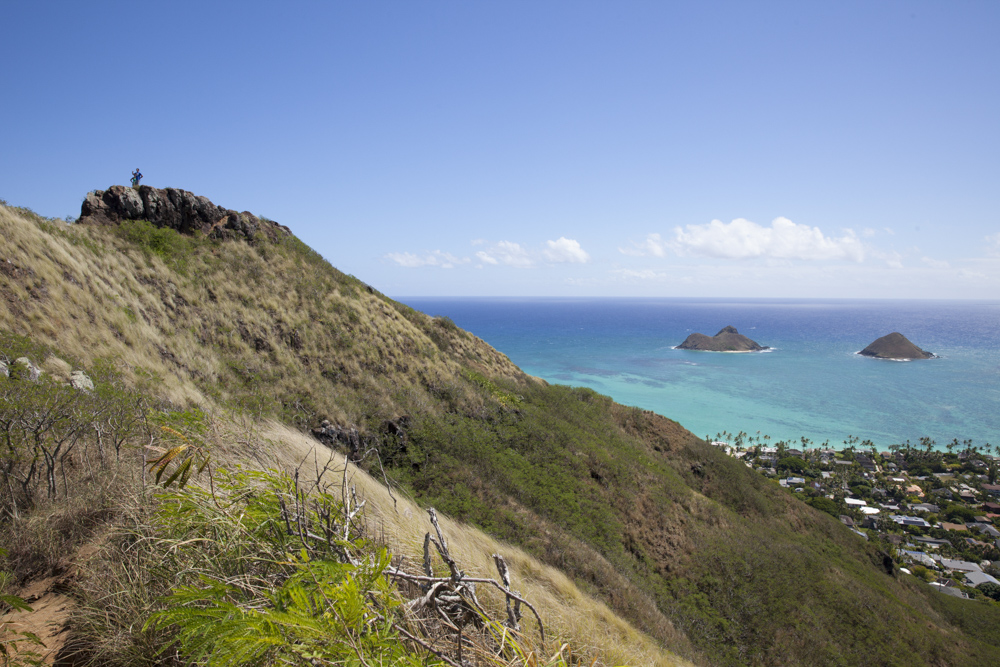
x=136, y=177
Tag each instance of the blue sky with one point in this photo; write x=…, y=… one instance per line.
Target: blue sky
x=799, y=149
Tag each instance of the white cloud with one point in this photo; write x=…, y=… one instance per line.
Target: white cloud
x=993, y=244
x=653, y=245
x=784, y=239
x=868, y=232
x=893, y=259
x=641, y=274
x=935, y=263
x=507, y=253
x=444, y=260
x=566, y=250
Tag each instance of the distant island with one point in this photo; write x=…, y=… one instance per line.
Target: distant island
x=895, y=346
x=727, y=340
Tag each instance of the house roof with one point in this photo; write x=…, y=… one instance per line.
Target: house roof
x=977, y=578
x=953, y=526
x=987, y=529
x=920, y=557
x=960, y=565
x=909, y=520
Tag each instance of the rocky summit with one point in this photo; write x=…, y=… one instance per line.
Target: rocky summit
x=895, y=346
x=177, y=209
x=727, y=340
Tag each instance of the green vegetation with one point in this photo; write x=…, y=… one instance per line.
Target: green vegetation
x=958, y=513
x=792, y=464
x=168, y=244
x=824, y=504
x=270, y=571
x=257, y=593
x=47, y=426
x=707, y=556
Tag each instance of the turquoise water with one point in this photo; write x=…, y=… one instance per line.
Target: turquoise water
x=812, y=384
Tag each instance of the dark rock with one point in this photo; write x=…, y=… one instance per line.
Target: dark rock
x=176, y=209
x=336, y=437
x=727, y=340
x=895, y=346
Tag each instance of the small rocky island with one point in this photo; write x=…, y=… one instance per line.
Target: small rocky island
x=727, y=340
x=895, y=346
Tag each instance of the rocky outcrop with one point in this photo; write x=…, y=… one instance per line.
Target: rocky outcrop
x=79, y=380
x=335, y=436
x=895, y=346
x=727, y=340
x=176, y=209
x=25, y=369
x=356, y=443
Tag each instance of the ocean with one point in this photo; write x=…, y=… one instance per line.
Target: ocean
x=811, y=384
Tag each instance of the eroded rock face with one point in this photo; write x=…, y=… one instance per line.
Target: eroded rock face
x=727, y=340
x=895, y=346
x=177, y=209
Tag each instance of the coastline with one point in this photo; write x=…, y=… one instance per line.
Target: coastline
x=812, y=390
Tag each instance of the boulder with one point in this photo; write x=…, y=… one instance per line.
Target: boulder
x=79, y=380
x=895, y=346
x=176, y=209
x=727, y=340
x=4, y=370
x=26, y=369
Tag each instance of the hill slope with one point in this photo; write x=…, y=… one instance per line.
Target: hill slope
x=687, y=544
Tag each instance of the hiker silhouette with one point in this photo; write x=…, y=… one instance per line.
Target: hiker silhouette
x=136, y=177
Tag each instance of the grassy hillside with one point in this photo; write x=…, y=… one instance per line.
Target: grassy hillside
x=708, y=558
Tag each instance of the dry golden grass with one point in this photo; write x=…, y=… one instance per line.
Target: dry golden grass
x=228, y=317
x=587, y=625
x=216, y=322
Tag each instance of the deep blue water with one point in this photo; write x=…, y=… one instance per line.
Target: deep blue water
x=812, y=384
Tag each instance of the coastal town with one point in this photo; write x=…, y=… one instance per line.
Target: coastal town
x=936, y=512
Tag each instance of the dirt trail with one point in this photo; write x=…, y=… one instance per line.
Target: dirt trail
x=51, y=608
x=49, y=618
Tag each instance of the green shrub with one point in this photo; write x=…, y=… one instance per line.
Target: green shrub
x=959, y=513
x=824, y=504
x=164, y=242
x=990, y=590
x=266, y=594
x=793, y=464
